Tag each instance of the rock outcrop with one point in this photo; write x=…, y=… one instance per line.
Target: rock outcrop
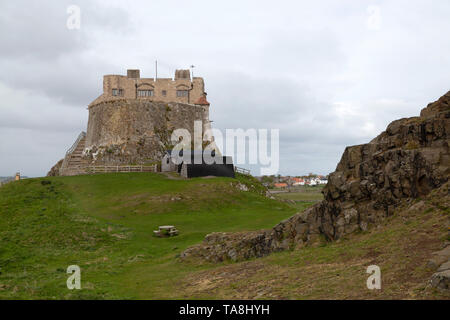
x=54, y=171
x=441, y=262
x=408, y=160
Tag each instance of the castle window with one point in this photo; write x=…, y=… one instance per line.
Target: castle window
x=145, y=93
x=117, y=92
x=164, y=93
x=182, y=93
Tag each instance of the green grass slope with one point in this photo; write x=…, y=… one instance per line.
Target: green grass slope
x=401, y=246
x=104, y=224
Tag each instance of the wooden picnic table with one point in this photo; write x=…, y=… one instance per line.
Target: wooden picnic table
x=166, y=227
x=168, y=230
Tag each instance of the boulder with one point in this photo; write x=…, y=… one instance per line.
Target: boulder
x=441, y=280
x=54, y=171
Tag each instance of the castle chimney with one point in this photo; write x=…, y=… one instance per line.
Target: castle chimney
x=17, y=176
x=182, y=74
x=133, y=73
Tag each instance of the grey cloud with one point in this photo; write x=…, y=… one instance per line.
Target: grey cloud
x=313, y=70
x=40, y=53
x=36, y=29
x=21, y=109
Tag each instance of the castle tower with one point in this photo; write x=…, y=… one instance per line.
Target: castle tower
x=203, y=102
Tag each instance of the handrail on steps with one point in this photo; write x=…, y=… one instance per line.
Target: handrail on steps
x=75, y=145
x=71, y=150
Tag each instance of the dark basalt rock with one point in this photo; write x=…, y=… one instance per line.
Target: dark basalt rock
x=54, y=171
x=408, y=160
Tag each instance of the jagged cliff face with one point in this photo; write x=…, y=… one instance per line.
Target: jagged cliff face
x=406, y=161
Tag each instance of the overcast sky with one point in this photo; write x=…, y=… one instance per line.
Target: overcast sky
x=326, y=73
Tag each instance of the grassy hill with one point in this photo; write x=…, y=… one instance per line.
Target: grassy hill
x=401, y=246
x=301, y=197
x=104, y=224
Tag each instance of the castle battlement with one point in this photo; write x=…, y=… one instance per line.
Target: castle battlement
x=182, y=89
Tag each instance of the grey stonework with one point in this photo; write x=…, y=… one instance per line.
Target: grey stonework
x=135, y=131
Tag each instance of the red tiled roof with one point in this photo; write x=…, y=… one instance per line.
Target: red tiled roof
x=280, y=185
x=202, y=101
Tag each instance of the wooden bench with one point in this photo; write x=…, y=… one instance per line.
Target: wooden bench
x=157, y=233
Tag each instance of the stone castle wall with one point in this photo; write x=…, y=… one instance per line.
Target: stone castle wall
x=136, y=131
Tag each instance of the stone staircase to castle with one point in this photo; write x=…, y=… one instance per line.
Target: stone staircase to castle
x=73, y=163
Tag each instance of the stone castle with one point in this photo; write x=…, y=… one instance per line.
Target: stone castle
x=131, y=122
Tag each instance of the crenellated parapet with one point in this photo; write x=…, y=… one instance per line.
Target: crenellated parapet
x=183, y=88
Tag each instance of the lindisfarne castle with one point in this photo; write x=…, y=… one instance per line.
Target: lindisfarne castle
x=131, y=122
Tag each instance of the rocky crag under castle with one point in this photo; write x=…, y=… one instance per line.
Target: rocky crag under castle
x=132, y=121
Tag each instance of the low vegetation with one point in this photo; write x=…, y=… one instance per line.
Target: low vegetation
x=401, y=246
x=301, y=197
x=104, y=224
